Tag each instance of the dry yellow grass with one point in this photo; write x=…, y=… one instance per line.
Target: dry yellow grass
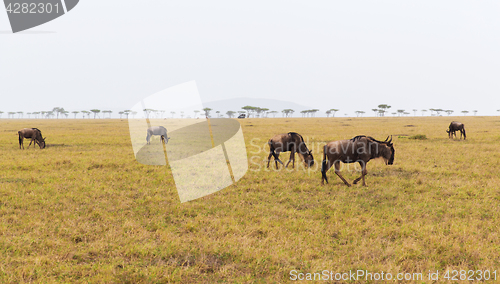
x=83, y=210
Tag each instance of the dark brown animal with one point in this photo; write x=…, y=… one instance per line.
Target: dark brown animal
x=359, y=149
x=454, y=127
x=292, y=142
x=31, y=133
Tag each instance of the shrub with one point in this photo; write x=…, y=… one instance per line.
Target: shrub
x=418, y=137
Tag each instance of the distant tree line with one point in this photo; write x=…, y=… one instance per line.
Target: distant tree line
x=249, y=111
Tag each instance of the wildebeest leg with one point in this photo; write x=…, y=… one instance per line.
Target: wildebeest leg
x=277, y=159
x=326, y=165
x=21, y=141
x=363, y=173
x=292, y=158
x=269, y=158
x=337, y=171
x=32, y=139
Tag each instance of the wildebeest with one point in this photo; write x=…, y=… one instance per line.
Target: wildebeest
x=292, y=142
x=359, y=149
x=157, y=130
x=456, y=126
x=31, y=133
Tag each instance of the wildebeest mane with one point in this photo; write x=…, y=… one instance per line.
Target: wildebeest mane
x=37, y=130
x=358, y=137
x=295, y=133
x=367, y=137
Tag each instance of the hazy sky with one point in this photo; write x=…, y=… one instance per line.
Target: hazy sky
x=350, y=55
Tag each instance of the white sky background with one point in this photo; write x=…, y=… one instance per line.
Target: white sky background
x=350, y=55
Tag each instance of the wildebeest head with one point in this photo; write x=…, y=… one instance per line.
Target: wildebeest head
x=39, y=139
x=388, y=151
x=41, y=142
x=308, y=158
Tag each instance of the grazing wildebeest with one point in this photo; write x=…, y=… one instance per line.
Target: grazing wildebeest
x=34, y=134
x=157, y=130
x=292, y=142
x=456, y=126
x=359, y=149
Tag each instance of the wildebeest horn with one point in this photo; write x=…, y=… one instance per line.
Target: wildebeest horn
x=386, y=139
x=389, y=140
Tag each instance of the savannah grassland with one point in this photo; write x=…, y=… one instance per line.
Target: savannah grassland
x=83, y=210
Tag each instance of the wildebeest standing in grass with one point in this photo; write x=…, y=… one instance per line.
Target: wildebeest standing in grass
x=454, y=127
x=157, y=130
x=292, y=142
x=31, y=133
x=359, y=149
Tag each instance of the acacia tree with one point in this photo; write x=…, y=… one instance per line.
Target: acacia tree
x=475, y=112
x=449, y=111
x=465, y=112
x=196, y=113
x=95, y=112
x=250, y=110
x=415, y=112
x=108, y=112
x=424, y=111
x=207, y=111
x=359, y=113
x=58, y=110
x=287, y=112
x=261, y=110
x=333, y=111
x=375, y=110
x=273, y=113
x=400, y=111
x=127, y=112
x=75, y=112
x=230, y=114
x=383, y=108
x=1, y=114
